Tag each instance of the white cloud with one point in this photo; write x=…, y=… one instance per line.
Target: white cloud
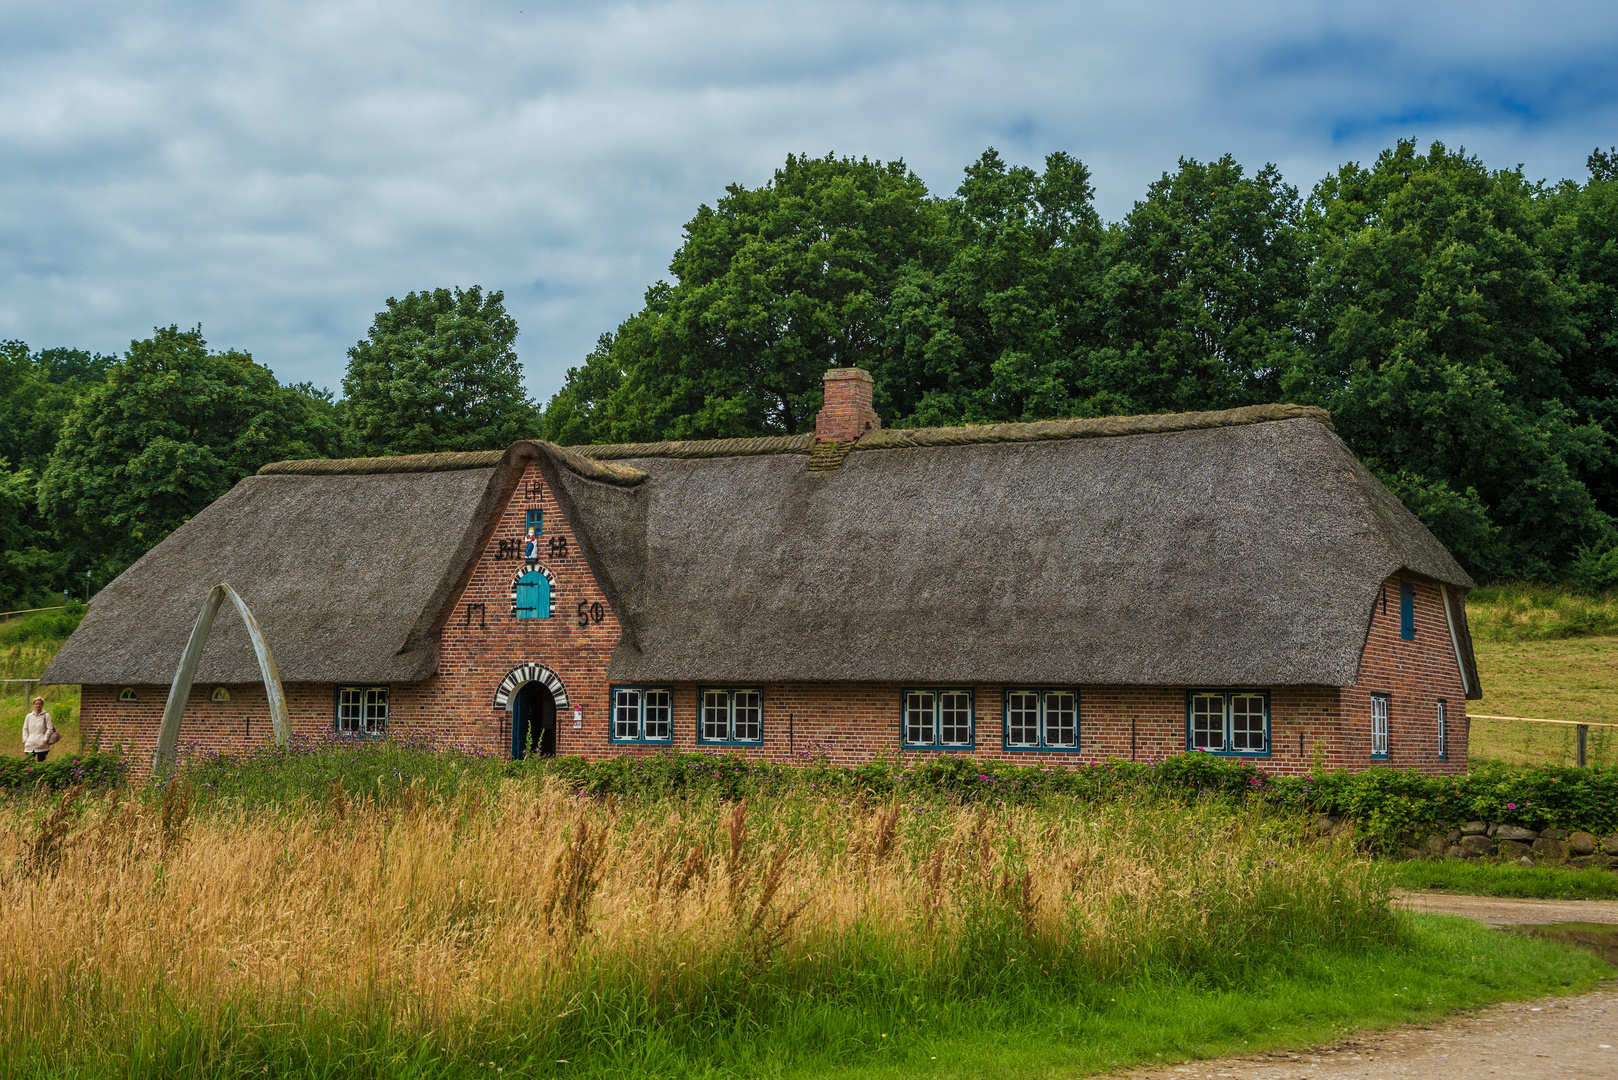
x=274, y=171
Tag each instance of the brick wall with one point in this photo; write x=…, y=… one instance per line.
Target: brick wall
x=1415, y=675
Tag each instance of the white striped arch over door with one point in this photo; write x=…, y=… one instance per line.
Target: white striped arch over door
x=528, y=673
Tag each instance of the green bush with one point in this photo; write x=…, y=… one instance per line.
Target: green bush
x=44, y=625
x=93, y=769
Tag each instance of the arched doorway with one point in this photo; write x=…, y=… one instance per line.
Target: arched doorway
x=533, y=721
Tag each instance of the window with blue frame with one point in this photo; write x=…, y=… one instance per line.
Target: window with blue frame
x=642, y=714
x=1379, y=725
x=536, y=521
x=533, y=596
x=362, y=710
x=941, y=719
x=1042, y=720
x=1407, y=611
x=1228, y=721
x=1443, y=732
x=730, y=716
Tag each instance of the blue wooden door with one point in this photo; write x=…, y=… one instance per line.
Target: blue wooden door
x=533, y=596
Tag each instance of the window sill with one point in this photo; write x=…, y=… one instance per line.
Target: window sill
x=1042, y=749
x=1229, y=753
x=949, y=748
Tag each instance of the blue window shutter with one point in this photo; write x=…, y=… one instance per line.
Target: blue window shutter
x=1407, y=611
x=533, y=596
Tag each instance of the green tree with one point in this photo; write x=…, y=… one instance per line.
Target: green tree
x=1440, y=335
x=437, y=372
x=774, y=286
x=170, y=429
x=1004, y=329
x=1204, y=293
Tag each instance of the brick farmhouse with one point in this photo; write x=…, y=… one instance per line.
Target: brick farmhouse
x=1231, y=582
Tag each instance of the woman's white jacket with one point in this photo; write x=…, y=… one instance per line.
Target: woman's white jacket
x=36, y=731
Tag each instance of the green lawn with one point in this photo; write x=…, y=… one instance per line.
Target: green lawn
x=1491, y=879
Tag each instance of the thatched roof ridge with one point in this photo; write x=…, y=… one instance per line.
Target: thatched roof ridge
x=1086, y=428
x=585, y=466
x=701, y=448
x=965, y=434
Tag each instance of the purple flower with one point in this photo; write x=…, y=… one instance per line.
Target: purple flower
x=1511, y=806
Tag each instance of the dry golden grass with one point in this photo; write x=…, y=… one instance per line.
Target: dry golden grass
x=448, y=918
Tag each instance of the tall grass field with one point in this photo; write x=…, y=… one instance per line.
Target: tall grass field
x=511, y=926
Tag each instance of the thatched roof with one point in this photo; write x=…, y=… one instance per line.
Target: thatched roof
x=1243, y=547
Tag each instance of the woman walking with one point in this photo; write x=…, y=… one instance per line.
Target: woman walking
x=38, y=733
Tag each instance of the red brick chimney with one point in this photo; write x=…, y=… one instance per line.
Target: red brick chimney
x=847, y=413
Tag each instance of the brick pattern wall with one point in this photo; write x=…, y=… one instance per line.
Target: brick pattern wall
x=852, y=722
x=1415, y=675
x=849, y=722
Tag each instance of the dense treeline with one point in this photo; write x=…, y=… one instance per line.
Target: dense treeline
x=1461, y=323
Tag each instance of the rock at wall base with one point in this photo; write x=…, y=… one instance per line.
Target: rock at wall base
x=1551, y=850
x=1581, y=843
x=1514, y=832
x=1476, y=845
x=1513, y=849
x=1474, y=828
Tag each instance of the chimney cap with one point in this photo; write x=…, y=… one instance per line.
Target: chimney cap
x=849, y=373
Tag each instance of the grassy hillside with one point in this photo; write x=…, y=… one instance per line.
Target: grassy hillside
x=26, y=648
x=1544, y=652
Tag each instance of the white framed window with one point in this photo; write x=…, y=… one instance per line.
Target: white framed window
x=1379, y=725
x=362, y=710
x=1228, y=721
x=1443, y=730
x=642, y=714
x=1042, y=719
x=938, y=718
x=733, y=715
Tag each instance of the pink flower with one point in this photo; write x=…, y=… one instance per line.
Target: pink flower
x=1511, y=806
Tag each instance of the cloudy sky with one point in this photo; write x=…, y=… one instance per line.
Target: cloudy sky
x=275, y=170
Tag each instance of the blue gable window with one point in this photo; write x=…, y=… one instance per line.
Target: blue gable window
x=536, y=521
x=1407, y=611
x=533, y=599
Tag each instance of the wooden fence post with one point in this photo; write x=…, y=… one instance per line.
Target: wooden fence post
x=1584, y=732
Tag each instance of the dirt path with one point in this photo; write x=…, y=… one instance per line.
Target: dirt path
x=1551, y=1039
x=1502, y=911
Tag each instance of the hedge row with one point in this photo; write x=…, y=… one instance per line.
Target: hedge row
x=1384, y=802
x=95, y=770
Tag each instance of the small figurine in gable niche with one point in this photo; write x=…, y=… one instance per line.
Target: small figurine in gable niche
x=530, y=545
